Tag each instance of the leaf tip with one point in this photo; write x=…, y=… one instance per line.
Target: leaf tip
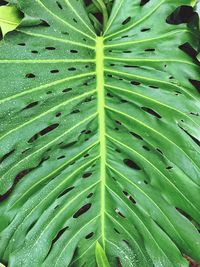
x=101, y=257
x=10, y=18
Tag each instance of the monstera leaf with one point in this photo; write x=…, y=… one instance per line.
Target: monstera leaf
x=100, y=136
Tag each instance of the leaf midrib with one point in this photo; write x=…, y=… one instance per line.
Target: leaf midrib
x=101, y=112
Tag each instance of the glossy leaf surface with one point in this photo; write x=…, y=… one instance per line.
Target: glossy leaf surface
x=100, y=137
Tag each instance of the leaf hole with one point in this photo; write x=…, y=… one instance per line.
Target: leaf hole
x=75, y=111
x=118, y=122
x=131, y=164
x=58, y=114
x=127, y=20
x=131, y=66
x=118, y=150
x=124, y=36
x=67, y=145
x=66, y=90
x=90, y=235
x=90, y=195
x=145, y=29
x=144, y=2
x=116, y=231
x=82, y=210
x=136, y=136
x=135, y=83
x=65, y=33
x=59, y=5
x=21, y=44
x=124, y=101
x=119, y=213
x=149, y=50
x=127, y=52
x=129, y=197
x=88, y=132
x=50, y=48
x=43, y=132
x=151, y=112
x=169, y=167
x=110, y=95
x=31, y=105
x=153, y=87
x=125, y=193
x=49, y=129
x=61, y=157
x=178, y=93
x=88, y=99
x=54, y=71
x=87, y=175
x=194, y=114
x=132, y=200
x=59, y=234
x=73, y=51
x=159, y=151
x=72, y=69
x=66, y=191
x=26, y=150
x=30, y=76
x=146, y=148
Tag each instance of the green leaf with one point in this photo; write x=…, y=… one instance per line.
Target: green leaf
x=10, y=18
x=101, y=258
x=198, y=9
x=99, y=137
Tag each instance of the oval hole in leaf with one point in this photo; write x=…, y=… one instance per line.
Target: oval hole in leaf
x=131, y=164
x=152, y=112
x=82, y=210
